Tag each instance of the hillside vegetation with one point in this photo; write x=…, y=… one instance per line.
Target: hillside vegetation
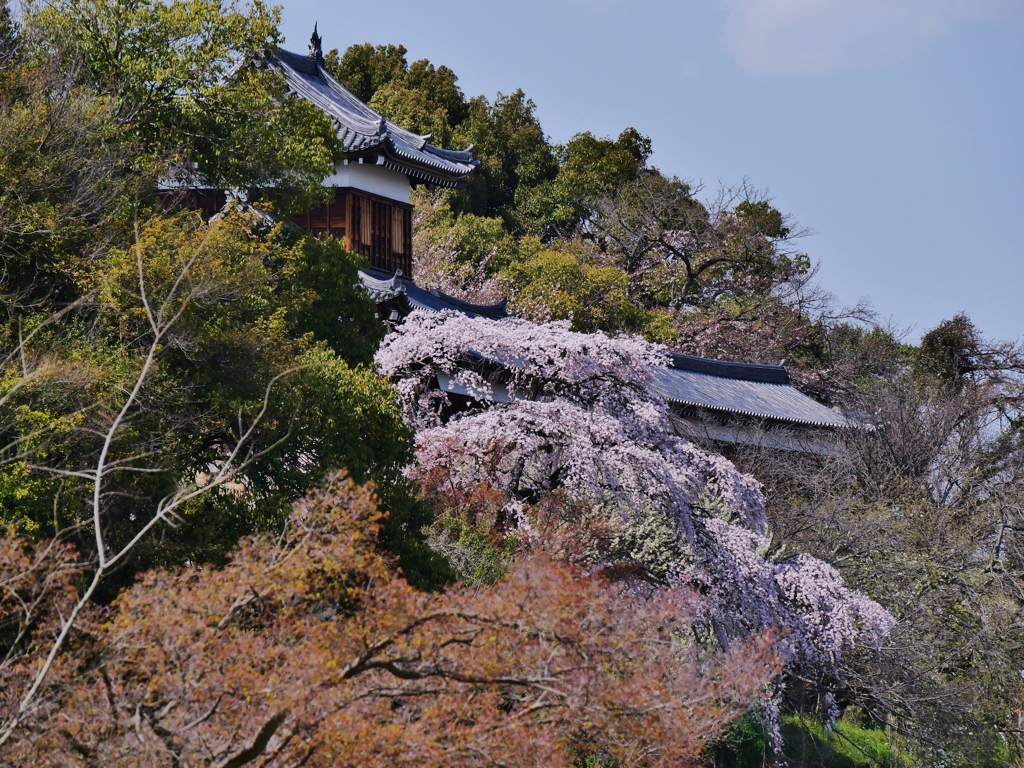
x=241, y=526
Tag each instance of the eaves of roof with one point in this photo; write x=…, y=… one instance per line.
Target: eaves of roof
x=750, y=398
x=384, y=286
x=364, y=131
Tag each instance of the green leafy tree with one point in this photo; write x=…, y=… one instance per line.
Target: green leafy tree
x=680, y=251
x=440, y=86
x=425, y=100
x=512, y=149
x=64, y=185
x=950, y=351
x=588, y=169
x=419, y=97
x=458, y=254
x=546, y=284
x=165, y=65
x=365, y=68
x=413, y=110
x=221, y=336
x=262, y=340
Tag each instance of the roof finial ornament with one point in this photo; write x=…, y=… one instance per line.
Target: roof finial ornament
x=316, y=51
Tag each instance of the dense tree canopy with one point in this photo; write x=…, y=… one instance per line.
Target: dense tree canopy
x=170, y=386
x=308, y=648
x=162, y=67
x=156, y=344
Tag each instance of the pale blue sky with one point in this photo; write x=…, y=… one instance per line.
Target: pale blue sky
x=892, y=128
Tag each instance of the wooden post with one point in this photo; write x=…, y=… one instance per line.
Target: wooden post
x=350, y=224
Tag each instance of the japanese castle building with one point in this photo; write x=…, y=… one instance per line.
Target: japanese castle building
x=382, y=163
x=722, y=401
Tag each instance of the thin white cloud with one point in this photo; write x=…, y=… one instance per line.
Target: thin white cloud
x=813, y=36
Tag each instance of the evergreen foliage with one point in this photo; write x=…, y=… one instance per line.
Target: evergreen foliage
x=170, y=386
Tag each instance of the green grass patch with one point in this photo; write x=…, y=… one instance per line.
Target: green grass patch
x=809, y=743
x=848, y=745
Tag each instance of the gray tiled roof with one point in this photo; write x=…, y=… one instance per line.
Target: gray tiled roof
x=364, y=131
x=740, y=389
x=748, y=390
x=384, y=287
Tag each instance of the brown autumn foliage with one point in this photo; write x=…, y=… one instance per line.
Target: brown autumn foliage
x=309, y=649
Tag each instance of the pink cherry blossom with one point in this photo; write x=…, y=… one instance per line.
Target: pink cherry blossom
x=583, y=420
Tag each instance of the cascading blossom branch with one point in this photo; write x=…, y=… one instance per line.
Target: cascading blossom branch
x=580, y=419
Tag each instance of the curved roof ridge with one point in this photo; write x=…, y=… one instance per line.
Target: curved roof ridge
x=362, y=128
x=385, y=286
x=305, y=65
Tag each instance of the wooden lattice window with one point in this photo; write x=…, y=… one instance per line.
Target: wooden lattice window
x=326, y=219
x=378, y=228
x=398, y=231
x=366, y=223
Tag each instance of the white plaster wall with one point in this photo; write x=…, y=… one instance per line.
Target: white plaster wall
x=371, y=178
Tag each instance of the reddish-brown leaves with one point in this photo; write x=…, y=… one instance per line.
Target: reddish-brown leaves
x=309, y=649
